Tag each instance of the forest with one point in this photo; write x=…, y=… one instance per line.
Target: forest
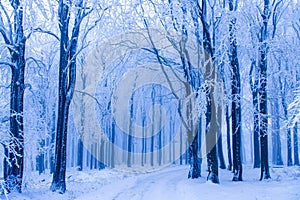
x=142, y=85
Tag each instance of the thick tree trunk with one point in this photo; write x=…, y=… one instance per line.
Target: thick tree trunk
x=14, y=151
x=16, y=145
x=193, y=140
x=67, y=77
x=211, y=140
x=58, y=182
x=236, y=113
x=211, y=111
x=195, y=165
x=263, y=100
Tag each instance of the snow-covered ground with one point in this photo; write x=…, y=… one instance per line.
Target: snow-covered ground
x=170, y=183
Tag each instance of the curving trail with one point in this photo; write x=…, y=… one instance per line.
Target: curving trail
x=172, y=184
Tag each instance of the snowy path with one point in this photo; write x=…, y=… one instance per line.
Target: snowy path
x=160, y=185
x=170, y=183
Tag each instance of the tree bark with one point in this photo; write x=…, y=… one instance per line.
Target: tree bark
x=289, y=134
x=236, y=113
x=254, y=89
x=195, y=165
x=14, y=150
x=67, y=77
x=220, y=153
x=228, y=140
x=296, y=152
x=263, y=104
x=276, y=143
x=211, y=112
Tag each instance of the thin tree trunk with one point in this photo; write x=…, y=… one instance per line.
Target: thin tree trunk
x=113, y=137
x=276, y=143
x=296, y=152
x=220, y=152
x=40, y=159
x=79, y=154
x=52, y=144
x=254, y=89
x=228, y=140
x=289, y=134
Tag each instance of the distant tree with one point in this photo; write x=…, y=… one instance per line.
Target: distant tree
x=296, y=151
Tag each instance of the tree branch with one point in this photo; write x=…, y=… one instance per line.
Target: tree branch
x=7, y=63
x=39, y=30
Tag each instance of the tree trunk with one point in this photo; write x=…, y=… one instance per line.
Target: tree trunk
x=211, y=140
x=101, y=165
x=254, y=90
x=79, y=154
x=289, y=148
x=276, y=142
x=296, y=152
x=220, y=152
x=40, y=159
x=228, y=139
x=211, y=111
x=52, y=143
x=58, y=182
x=263, y=104
x=14, y=151
x=129, y=139
x=289, y=134
x=236, y=113
x=195, y=165
x=113, y=137
x=67, y=77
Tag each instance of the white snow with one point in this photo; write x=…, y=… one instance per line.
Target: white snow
x=170, y=183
